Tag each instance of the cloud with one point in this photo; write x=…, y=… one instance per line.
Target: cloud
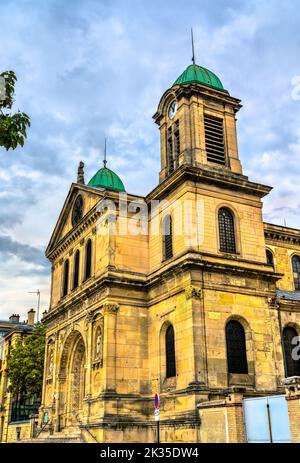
x=98, y=69
x=24, y=252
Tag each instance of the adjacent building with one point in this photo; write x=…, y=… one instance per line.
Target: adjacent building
x=15, y=412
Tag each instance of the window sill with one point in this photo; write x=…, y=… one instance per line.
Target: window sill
x=19, y=421
x=168, y=384
x=229, y=254
x=241, y=379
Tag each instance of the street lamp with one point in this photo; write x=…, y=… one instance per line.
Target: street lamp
x=38, y=293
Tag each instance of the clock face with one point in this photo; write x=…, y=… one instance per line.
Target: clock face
x=172, y=109
x=77, y=211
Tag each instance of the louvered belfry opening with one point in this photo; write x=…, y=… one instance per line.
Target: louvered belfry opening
x=170, y=150
x=214, y=139
x=176, y=143
x=167, y=237
x=290, y=342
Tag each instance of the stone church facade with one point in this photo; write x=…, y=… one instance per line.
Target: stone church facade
x=197, y=300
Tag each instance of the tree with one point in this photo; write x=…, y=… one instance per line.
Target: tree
x=26, y=363
x=12, y=126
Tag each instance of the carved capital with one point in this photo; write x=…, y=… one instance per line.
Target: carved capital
x=191, y=292
x=88, y=319
x=110, y=308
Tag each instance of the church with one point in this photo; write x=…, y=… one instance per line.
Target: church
x=185, y=293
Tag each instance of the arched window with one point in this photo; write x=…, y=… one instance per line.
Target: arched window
x=167, y=237
x=292, y=366
x=88, y=259
x=76, y=269
x=236, y=348
x=270, y=257
x=296, y=271
x=66, y=278
x=226, y=230
x=170, y=353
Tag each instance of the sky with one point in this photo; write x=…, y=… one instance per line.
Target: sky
x=90, y=69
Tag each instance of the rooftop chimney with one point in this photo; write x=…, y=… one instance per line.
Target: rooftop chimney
x=31, y=317
x=14, y=318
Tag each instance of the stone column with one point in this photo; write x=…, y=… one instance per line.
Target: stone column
x=88, y=362
x=292, y=388
x=109, y=346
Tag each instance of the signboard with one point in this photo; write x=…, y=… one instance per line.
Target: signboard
x=156, y=414
x=267, y=419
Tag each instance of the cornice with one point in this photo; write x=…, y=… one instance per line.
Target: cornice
x=282, y=234
x=208, y=175
x=92, y=294
x=73, y=234
x=188, y=90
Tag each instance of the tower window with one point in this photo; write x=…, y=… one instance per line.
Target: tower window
x=214, y=139
x=170, y=150
x=76, y=269
x=270, y=257
x=296, y=272
x=236, y=348
x=170, y=353
x=88, y=259
x=167, y=237
x=176, y=142
x=226, y=230
x=66, y=278
x=292, y=366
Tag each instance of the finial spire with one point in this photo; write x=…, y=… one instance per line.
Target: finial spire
x=80, y=173
x=104, y=160
x=193, y=50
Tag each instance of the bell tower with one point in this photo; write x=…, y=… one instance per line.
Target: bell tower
x=197, y=121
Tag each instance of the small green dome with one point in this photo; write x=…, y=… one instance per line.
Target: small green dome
x=198, y=74
x=106, y=178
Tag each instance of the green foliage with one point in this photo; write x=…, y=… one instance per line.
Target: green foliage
x=12, y=126
x=26, y=363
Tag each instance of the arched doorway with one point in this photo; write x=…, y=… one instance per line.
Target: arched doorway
x=72, y=380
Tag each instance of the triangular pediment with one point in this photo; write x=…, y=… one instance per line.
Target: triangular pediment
x=64, y=225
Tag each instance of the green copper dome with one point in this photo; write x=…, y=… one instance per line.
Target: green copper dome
x=198, y=74
x=106, y=178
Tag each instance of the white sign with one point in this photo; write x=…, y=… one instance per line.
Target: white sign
x=156, y=414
